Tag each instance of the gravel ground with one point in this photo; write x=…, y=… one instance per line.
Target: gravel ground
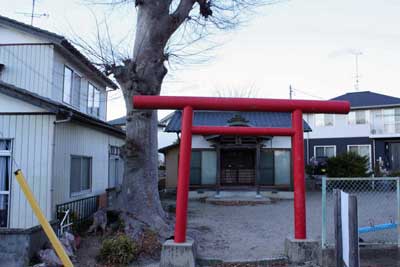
x=235, y=233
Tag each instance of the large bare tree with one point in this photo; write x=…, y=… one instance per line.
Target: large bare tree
x=160, y=25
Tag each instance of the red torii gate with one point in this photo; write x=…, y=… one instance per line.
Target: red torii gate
x=188, y=104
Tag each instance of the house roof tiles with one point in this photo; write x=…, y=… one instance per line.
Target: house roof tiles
x=367, y=99
x=221, y=118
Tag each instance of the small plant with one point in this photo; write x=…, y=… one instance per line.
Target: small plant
x=347, y=165
x=118, y=250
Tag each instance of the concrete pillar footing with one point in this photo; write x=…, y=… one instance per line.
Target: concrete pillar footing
x=178, y=254
x=302, y=250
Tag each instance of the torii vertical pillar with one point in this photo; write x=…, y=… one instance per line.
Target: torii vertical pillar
x=298, y=175
x=182, y=193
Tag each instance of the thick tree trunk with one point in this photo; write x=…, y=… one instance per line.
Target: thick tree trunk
x=143, y=74
x=139, y=198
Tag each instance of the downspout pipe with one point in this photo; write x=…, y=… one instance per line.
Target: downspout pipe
x=53, y=153
x=68, y=119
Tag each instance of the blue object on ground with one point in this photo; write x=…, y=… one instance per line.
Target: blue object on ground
x=378, y=227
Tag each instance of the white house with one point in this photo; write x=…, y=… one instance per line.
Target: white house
x=371, y=129
x=53, y=104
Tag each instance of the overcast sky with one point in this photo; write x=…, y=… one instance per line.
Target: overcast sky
x=306, y=43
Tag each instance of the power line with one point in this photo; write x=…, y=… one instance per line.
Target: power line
x=292, y=90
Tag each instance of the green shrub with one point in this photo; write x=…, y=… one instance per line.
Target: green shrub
x=394, y=174
x=118, y=250
x=347, y=165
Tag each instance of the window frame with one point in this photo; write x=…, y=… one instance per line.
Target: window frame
x=324, y=146
x=91, y=99
x=114, y=154
x=323, y=115
x=81, y=192
x=369, y=149
x=80, y=88
x=8, y=154
x=352, y=117
x=71, y=85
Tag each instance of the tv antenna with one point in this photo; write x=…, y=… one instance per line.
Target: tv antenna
x=32, y=14
x=356, y=54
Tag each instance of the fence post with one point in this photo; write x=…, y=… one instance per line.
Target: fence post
x=398, y=211
x=323, y=234
x=354, y=251
x=338, y=228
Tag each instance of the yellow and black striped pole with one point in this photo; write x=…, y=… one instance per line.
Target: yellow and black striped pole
x=42, y=220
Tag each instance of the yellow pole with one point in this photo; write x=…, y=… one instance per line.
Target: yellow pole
x=43, y=221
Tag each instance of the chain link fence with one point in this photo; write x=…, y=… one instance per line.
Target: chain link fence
x=378, y=208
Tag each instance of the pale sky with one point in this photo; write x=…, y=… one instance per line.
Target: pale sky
x=305, y=43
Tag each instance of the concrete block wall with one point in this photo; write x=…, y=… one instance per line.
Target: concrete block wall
x=18, y=246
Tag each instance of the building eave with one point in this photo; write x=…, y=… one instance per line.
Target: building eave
x=58, y=109
x=375, y=107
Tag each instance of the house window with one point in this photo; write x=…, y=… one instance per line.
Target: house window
x=5, y=175
x=81, y=174
x=76, y=90
x=67, y=89
x=362, y=150
x=115, y=167
x=93, y=100
x=115, y=171
x=282, y=161
x=323, y=152
x=358, y=117
x=322, y=120
x=275, y=167
x=195, y=168
x=71, y=87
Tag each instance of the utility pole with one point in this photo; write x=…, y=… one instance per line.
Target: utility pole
x=290, y=92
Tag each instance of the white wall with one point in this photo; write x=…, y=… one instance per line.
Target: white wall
x=29, y=67
x=341, y=128
x=198, y=141
x=32, y=138
x=76, y=139
x=10, y=104
x=12, y=36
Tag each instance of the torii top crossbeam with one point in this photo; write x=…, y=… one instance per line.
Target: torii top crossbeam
x=188, y=104
x=240, y=104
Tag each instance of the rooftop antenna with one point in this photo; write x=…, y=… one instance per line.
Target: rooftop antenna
x=33, y=11
x=356, y=54
x=32, y=14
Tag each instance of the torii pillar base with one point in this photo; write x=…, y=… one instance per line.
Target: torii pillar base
x=302, y=250
x=178, y=254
